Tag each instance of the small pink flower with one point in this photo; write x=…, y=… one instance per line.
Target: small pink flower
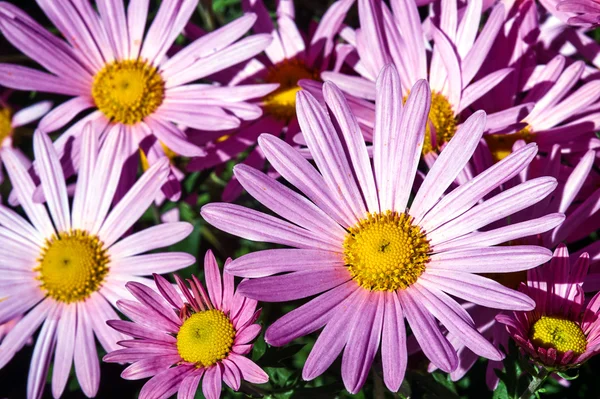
x=182, y=338
x=561, y=332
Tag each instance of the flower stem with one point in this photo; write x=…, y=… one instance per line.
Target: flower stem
x=536, y=383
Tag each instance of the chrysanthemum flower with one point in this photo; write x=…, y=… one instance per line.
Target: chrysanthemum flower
x=370, y=256
x=110, y=65
x=64, y=270
x=291, y=56
x=11, y=120
x=457, y=53
x=563, y=113
x=561, y=332
x=183, y=338
x=575, y=12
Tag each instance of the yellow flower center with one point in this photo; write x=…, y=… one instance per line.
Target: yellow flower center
x=128, y=91
x=205, y=338
x=281, y=104
x=5, y=123
x=441, y=116
x=562, y=335
x=501, y=144
x=386, y=252
x=72, y=266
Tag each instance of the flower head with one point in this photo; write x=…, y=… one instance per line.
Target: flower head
x=63, y=270
x=291, y=57
x=11, y=120
x=371, y=255
x=181, y=338
x=561, y=332
x=110, y=64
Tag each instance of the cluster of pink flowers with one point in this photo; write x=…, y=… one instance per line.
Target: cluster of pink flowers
x=416, y=174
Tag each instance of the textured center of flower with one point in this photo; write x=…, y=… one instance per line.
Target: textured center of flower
x=128, y=91
x=5, y=124
x=205, y=338
x=281, y=104
x=562, y=335
x=386, y=252
x=501, y=145
x=72, y=266
x=441, y=116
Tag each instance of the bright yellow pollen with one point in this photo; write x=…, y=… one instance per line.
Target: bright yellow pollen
x=281, y=104
x=441, y=116
x=169, y=153
x=72, y=266
x=5, y=123
x=386, y=252
x=205, y=338
x=562, y=335
x=128, y=91
x=501, y=144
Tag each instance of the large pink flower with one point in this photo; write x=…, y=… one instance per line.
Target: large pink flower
x=64, y=270
x=109, y=64
x=371, y=255
x=180, y=339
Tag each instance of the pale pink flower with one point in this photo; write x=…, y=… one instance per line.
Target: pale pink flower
x=110, y=65
x=370, y=255
x=64, y=270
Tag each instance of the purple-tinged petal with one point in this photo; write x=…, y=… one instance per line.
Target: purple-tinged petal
x=477, y=289
x=42, y=355
x=292, y=286
x=393, y=343
x=165, y=384
x=87, y=366
x=65, y=348
x=251, y=372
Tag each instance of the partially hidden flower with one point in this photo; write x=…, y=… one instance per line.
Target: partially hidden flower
x=115, y=68
x=293, y=55
x=181, y=338
x=370, y=255
x=64, y=269
x=562, y=332
x=11, y=119
x=451, y=64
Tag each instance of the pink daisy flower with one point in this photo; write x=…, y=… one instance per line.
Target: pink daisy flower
x=561, y=332
x=110, y=65
x=575, y=12
x=372, y=258
x=11, y=120
x=64, y=270
x=182, y=338
x=291, y=57
x=451, y=64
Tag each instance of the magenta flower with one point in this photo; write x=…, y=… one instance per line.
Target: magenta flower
x=11, y=120
x=291, y=57
x=64, y=270
x=575, y=12
x=561, y=332
x=371, y=257
x=182, y=338
x=110, y=65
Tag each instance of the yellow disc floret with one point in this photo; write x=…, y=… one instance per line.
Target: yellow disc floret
x=72, y=266
x=128, y=91
x=562, y=335
x=205, y=338
x=281, y=104
x=501, y=145
x=5, y=123
x=441, y=116
x=386, y=252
